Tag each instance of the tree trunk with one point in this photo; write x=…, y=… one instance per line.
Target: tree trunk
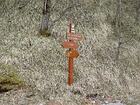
x=44, y=30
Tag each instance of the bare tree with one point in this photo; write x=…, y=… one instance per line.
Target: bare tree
x=44, y=30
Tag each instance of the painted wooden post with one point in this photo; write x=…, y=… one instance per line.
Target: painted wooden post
x=70, y=75
x=72, y=53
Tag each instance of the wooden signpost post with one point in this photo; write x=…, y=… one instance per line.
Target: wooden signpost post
x=72, y=53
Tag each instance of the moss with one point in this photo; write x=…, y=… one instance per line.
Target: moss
x=44, y=32
x=9, y=78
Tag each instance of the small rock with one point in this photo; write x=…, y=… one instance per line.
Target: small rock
x=91, y=96
x=76, y=92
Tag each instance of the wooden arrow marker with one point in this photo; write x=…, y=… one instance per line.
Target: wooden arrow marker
x=68, y=44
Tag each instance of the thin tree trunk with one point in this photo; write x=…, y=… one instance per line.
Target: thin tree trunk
x=118, y=28
x=46, y=16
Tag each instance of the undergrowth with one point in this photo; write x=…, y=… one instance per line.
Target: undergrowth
x=9, y=78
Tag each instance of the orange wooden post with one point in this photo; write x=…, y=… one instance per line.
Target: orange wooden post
x=70, y=62
x=70, y=75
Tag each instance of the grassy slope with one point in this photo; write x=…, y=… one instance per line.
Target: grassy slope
x=42, y=61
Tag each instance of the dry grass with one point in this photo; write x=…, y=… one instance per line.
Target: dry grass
x=42, y=62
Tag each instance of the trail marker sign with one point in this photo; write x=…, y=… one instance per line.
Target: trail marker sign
x=69, y=44
x=71, y=53
x=75, y=37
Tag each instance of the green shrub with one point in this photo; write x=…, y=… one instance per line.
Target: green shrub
x=9, y=78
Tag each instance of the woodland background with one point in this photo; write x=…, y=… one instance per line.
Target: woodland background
x=109, y=61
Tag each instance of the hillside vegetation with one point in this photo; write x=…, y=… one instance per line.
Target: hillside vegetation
x=109, y=61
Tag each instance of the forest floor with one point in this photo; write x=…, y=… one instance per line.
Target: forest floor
x=29, y=96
